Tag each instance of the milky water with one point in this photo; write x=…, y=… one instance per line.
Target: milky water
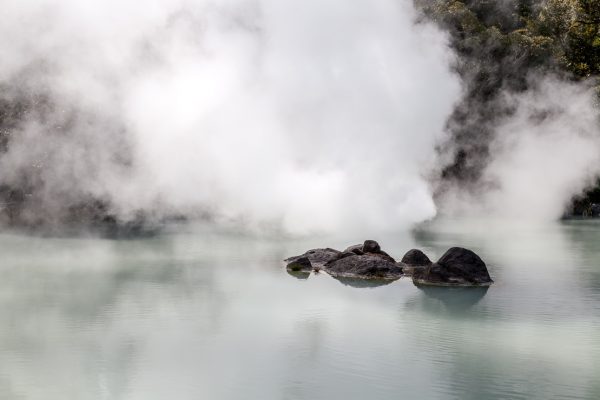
x=198, y=314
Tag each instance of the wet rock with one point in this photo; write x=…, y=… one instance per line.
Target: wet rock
x=457, y=267
x=367, y=266
x=300, y=264
x=317, y=257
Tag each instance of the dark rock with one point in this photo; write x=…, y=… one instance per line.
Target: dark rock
x=457, y=267
x=346, y=254
x=356, y=249
x=371, y=246
x=318, y=257
x=384, y=255
x=367, y=266
x=300, y=264
x=416, y=258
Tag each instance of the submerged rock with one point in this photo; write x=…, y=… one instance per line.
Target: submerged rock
x=366, y=266
x=457, y=267
x=414, y=260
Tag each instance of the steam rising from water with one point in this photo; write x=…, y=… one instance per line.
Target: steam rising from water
x=307, y=116
x=541, y=156
x=312, y=115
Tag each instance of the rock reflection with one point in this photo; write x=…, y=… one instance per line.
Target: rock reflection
x=363, y=283
x=301, y=275
x=455, y=299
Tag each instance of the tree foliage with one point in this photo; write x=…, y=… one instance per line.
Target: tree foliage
x=563, y=34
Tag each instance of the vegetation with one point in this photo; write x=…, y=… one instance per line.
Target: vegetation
x=550, y=33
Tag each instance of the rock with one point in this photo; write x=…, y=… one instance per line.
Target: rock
x=371, y=246
x=318, y=257
x=457, y=267
x=383, y=255
x=300, y=264
x=416, y=258
x=346, y=254
x=356, y=249
x=367, y=266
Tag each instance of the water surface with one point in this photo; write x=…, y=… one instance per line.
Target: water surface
x=198, y=314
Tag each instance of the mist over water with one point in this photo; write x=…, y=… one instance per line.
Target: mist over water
x=306, y=116
x=209, y=316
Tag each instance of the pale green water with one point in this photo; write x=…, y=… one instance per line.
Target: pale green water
x=212, y=316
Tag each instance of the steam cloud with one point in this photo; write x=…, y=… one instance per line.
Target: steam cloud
x=542, y=154
x=309, y=116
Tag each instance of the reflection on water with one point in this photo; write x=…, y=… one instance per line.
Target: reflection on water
x=302, y=275
x=454, y=299
x=363, y=283
x=202, y=315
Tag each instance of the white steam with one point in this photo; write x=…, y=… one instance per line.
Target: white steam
x=313, y=115
x=541, y=156
x=306, y=115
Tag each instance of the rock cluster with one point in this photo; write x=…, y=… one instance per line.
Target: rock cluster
x=361, y=261
x=457, y=267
